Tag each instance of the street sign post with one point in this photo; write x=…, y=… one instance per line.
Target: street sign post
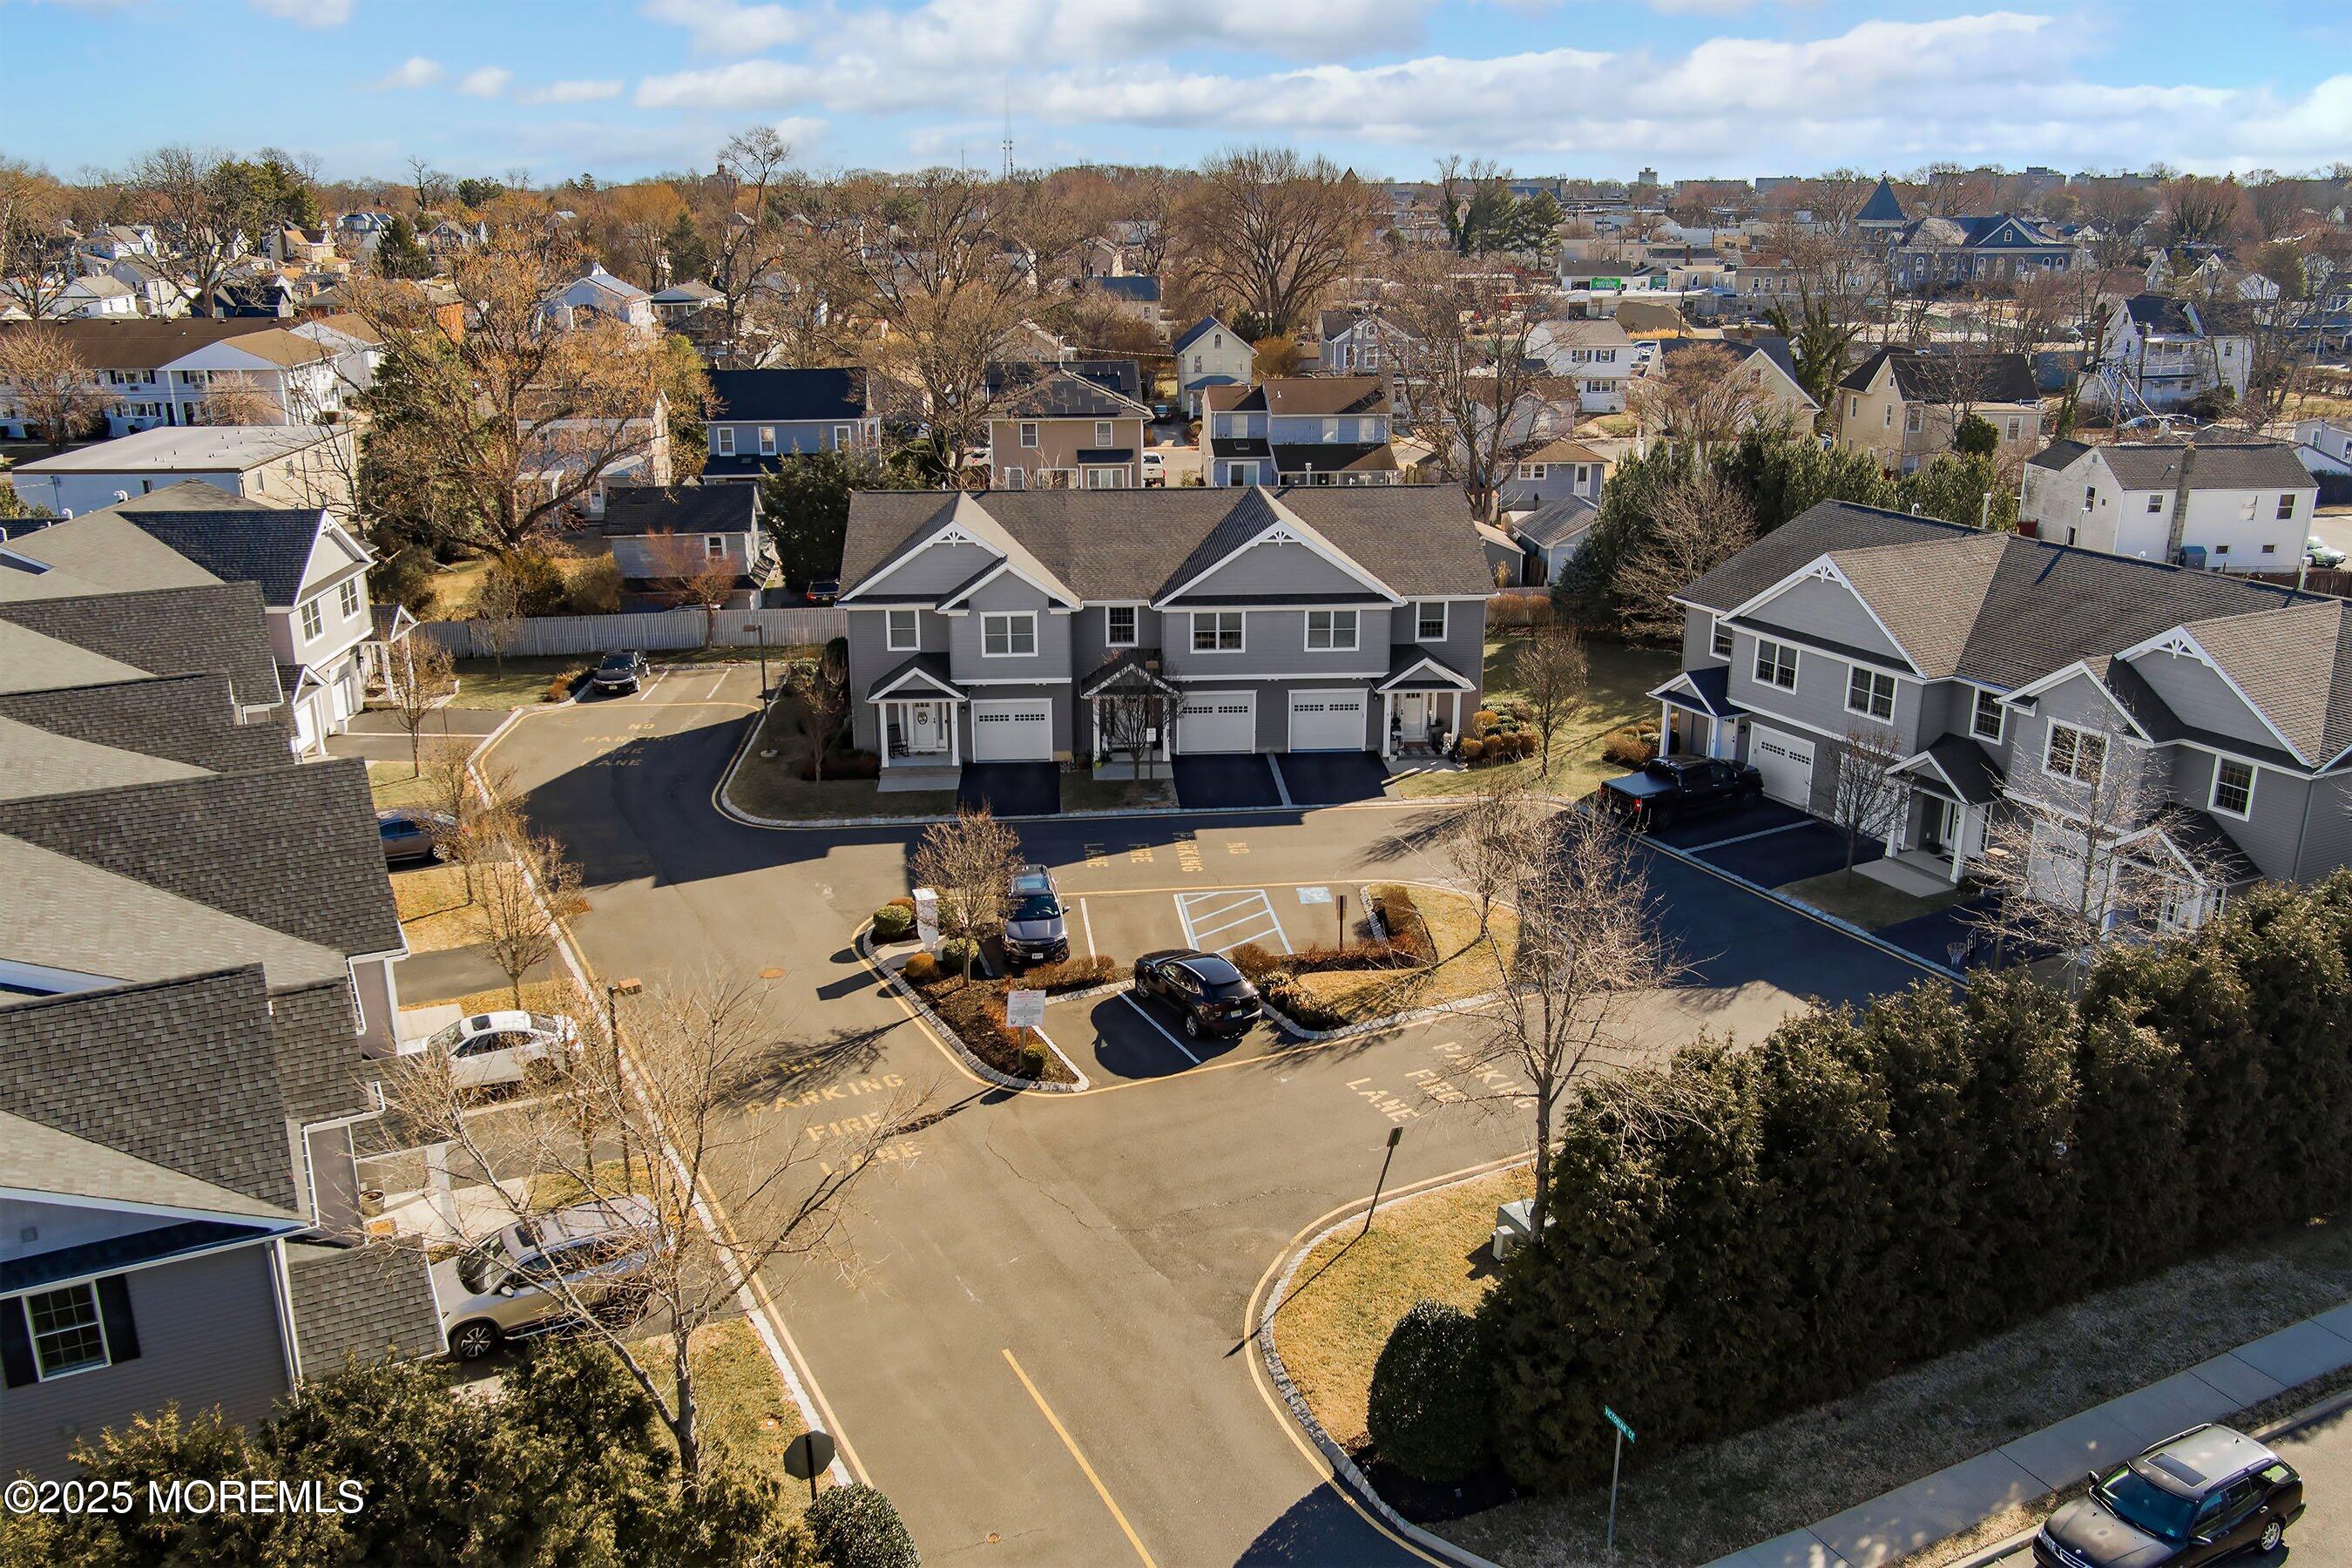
x=1625, y=1436
x=1025, y=1009
x=808, y=1457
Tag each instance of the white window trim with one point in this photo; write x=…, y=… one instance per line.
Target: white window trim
x=1355, y=631
x=2048, y=743
x=313, y=617
x=1135, y=632
x=890, y=631
x=725, y=435
x=1894, y=690
x=1214, y=617
x=1027, y=434
x=1106, y=432
x=2213, y=795
x=33, y=1339
x=2000, y=717
x=1008, y=617
x=1444, y=618
x=1722, y=642
x=350, y=596
x=1796, y=660
x=767, y=440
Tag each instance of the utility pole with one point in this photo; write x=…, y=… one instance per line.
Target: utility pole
x=1008, y=131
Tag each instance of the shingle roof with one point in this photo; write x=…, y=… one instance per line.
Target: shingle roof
x=789, y=394
x=270, y=546
x=164, y=631
x=2296, y=663
x=1939, y=378
x=1882, y=206
x=1557, y=521
x=1141, y=287
x=124, y=344
x=1303, y=394
x=1061, y=395
x=38, y=1157
x=363, y=1302
x=2218, y=466
x=633, y=509
x=1136, y=543
x=1334, y=458
x=186, y=718
x=290, y=848
x=1204, y=325
x=2162, y=313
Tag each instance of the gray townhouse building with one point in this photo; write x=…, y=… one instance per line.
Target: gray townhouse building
x=190, y=1024
x=1989, y=658
x=997, y=626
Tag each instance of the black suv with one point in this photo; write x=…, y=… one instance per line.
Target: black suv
x=623, y=670
x=1208, y=990
x=2203, y=1494
x=1671, y=789
x=1035, y=931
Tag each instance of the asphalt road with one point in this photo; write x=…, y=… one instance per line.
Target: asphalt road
x=1030, y=1333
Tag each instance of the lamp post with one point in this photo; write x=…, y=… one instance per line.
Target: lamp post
x=613, y=992
x=1396, y=1136
x=759, y=628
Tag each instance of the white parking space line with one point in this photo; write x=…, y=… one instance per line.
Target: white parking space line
x=713, y=695
x=1253, y=920
x=1087, y=924
x=1744, y=838
x=1165, y=1033
x=655, y=684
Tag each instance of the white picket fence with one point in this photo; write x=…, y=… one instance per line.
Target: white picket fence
x=655, y=631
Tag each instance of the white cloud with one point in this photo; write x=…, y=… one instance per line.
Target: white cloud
x=746, y=84
x=570, y=93
x=307, y=13
x=487, y=82
x=729, y=27
x=414, y=72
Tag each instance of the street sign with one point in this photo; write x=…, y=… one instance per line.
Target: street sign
x=1616, y=1464
x=807, y=1456
x=1618, y=1422
x=1025, y=1009
x=1314, y=895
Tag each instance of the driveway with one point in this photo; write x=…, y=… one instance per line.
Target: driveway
x=1221, y=783
x=1331, y=778
x=1012, y=789
x=1768, y=844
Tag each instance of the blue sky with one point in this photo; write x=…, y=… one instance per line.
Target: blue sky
x=1694, y=88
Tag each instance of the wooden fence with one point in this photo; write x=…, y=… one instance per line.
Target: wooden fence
x=655, y=631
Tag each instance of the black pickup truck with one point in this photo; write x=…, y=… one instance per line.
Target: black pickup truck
x=1671, y=788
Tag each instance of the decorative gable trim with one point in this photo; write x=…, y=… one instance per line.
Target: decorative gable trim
x=1059, y=597
x=1824, y=568
x=1287, y=529
x=2181, y=642
x=948, y=532
x=2022, y=697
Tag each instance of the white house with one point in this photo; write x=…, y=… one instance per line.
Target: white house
x=2236, y=506
x=1357, y=342
x=101, y=295
x=2324, y=448
x=2163, y=352
x=597, y=293
x=277, y=465
x=1209, y=353
x=1594, y=353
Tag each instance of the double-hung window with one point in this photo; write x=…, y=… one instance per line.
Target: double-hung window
x=903, y=636
x=2075, y=753
x=1010, y=634
x=2155, y=503
x=1776, y=665
x=1721, y=643
x=1429, y=621
x=1986, y=717
x=1871, y=693
x=2233, y=786
x=724, y=436
x=67, y=1330
x=2285, y=506
x=767, y=440
x=1029, y=433
x=1120, y=625
x=1329, y=630
x=714, y=546
x=312, y=620
x=1217, y=631
x=1104, y=433
x=350, y=598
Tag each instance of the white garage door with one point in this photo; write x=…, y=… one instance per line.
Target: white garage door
x=1217, y=722
x=1011, y=731
x=1786, y=764
x=1326, y=721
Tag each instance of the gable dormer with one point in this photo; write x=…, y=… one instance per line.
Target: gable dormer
x=1263, y=551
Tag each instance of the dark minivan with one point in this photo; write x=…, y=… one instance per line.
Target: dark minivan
x=1208, y=992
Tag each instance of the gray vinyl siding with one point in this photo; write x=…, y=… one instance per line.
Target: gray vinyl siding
x=1822, y=608
x=2271, y=835
x=1274, y=642
x=1698, y=640
x=2079, y=702
x=967, y=663
x=1276, y=569
x=2201, y=698
x=1056, y=693
x=937, y=570
x=870, y=659
x=208, y=1335
x=1088, y=630
x=1822, y=802
x=636, y=554
x=792, y=436
x=1819, y=700
x=2328, y=836
x=1944, y=708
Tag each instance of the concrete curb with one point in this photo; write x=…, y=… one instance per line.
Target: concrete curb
x=941, y=1027
x=1343, y=1468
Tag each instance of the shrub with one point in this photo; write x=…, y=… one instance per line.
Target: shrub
x=856, y=1527
x=1525, y=742
x=1071, y=973
x=1302, y=1006
x=1408, y=932
x=1428, y=1409
x=1033, y=1061
x=892, y=921
x=595, y=587
x=558, y=689
x=1470, y=748
x=960, y=953
x=1254, y=961
x=921, y=969
x=1627, y=748
x=845, y=765
x=1484, y=720
x=1321, y=957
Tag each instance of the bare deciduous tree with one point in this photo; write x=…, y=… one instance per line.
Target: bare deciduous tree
x=1864, y=802
x=1274, y=231
x=820, y=691
x=1472, y=387
x=501, y=608
x=1135, y=719
x=235, y=397
x=681, y=1087
x=424, y=678
x=1697, y=524
x=461, y=789
x=55, y=391
x=1552, y=673
x=35, y=259
x=970, y=861
x=524, y=886
x=1589, y=951
x=689, y=574
x=1698, y=394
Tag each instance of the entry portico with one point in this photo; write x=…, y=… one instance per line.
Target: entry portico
x=916, y=707
x=1415, y=692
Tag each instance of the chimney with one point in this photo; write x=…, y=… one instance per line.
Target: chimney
x=2178, y=527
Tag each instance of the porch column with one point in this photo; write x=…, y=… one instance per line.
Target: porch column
x=955, y=740
x=1388, y=720
x=1457, y=716
x=882, y=731
x=1961, y=841
x=1665, y=728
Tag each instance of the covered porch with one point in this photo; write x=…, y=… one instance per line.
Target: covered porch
x=1128, y=708
x=1421, y=705
x=1951, y=789
x=1696, y=717
x=916, y=716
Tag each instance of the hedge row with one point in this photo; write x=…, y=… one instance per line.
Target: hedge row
x=1751, y=1233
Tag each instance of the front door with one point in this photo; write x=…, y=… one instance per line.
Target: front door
x=1413, y=718
x=924, y=730
x=1937, y=826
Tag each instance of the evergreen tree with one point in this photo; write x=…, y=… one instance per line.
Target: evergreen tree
x=689, y=253
x=1919, y=1047
x=806, y=500
x=397, y=253
x=2022, y=1208
x=1782, y=474
x=1970, y=491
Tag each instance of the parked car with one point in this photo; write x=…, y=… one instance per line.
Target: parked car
x=410, y=835
x=1208, y=992
x=1034, y=931
x=514, y=1284
x=1161, y=413
x=1155, y=470
x=2319, y=553
x=824, y=590
x=501, y=1047
x=623, y=669
x=1668, y=789
x=2198, y=1497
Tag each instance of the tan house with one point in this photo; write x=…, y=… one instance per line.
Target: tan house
x=1063, y=432
x=1903, y=405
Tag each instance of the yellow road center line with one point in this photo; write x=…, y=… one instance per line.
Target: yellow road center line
x=1070, y=1443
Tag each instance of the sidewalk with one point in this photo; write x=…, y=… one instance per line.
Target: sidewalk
x=1910, y=1518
